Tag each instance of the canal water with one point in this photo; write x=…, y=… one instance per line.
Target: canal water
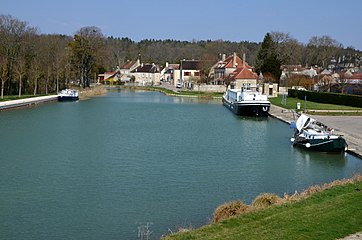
x=104, y=168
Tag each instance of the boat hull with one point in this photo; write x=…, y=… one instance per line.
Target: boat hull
x=247, y=108
x=323, y=145
x=67, y=98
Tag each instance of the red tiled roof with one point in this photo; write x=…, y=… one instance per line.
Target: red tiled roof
x=353, y=76
x=229, y=62
x=128, y=65
x=243, y=73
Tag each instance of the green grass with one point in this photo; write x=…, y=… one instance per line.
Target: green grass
x=16, y=97
x=330, y=214
x=292, y=103
x=317, y=108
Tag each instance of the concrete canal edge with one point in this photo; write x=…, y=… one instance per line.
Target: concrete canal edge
x=353, y=138
x=26, y=102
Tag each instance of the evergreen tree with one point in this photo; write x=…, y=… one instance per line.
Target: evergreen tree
x=267, y=61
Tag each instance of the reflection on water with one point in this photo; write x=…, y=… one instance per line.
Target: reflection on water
x=320, y=158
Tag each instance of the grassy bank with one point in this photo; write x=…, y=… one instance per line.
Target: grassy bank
x=178, y=93
x=332, y=213
x=97, y=90
x=316, y=108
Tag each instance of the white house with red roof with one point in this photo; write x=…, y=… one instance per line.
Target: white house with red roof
x=227, y=66
x=127, y=68
x=243, y=77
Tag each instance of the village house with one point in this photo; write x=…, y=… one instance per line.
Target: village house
x=108, y=77
x=127, y=68
x=347, y=82
x=223, y=68
x=237, y=73
x=168, y=73
x=146, y=75
x=243, y=78
x=188, y=74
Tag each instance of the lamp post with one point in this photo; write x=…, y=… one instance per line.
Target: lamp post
x=181, y=74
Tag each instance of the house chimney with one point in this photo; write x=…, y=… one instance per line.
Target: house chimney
x=234, y=59
x=166, y=64
x=243, y=60
x=223, y=57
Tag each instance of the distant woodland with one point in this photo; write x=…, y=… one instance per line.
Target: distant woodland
x=35, y=63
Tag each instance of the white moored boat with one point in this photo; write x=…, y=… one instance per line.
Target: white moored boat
x=68, y=95
x=246, y=102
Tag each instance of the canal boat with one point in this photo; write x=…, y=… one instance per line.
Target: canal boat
x=246, y=102
x=313, y=135
x=68, y=95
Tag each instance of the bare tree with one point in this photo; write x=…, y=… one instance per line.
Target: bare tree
x=14, y=36
x=84, y=48
x=322, y=49
x=3, y=74
x=288, y=49
x=20, y=70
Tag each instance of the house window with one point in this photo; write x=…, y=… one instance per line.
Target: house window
x=197, y=74
x=187, y=74
x=246, y=86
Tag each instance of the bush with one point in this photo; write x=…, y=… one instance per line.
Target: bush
x=230, y=209
x=266, y=200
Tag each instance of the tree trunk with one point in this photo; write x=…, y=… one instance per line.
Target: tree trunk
x=20, y=85
x=35, y=85
x=2, y=88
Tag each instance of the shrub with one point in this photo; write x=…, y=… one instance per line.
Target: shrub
x=265, y=200
x=229, y=209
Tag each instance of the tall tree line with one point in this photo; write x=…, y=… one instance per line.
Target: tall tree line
x=34, y=63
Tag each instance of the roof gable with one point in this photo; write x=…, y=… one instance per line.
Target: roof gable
x=147, y=68
x=128, y=65
x=243, y=73
x=229, y=62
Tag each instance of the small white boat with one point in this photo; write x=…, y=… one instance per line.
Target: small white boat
x=314, y=135
x=68, y=95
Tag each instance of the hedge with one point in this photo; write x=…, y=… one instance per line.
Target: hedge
x=327, y=97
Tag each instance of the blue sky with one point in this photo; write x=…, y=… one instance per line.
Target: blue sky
x=232, y=20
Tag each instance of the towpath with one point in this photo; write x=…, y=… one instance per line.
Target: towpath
x=26, y=102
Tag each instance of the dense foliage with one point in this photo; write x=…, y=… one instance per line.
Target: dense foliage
x=34, y=63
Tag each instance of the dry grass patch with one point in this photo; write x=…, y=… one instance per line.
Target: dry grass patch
x=93, y=91
x=266, y=200
x=319, y=188
x=235, y=208
x=229, y=209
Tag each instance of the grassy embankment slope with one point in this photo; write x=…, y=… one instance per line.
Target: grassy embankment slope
x=330, y=214
x=317, y=108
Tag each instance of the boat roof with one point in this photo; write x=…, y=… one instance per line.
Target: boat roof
x=303, y=121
